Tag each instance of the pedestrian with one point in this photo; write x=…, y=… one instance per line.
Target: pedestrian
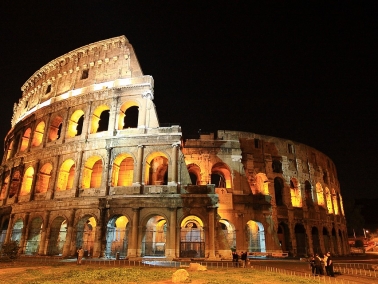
x=243, y=258
x=312, y=265
x=318, y=265
x=330, y=264
x=80, y=254
x=325, y=258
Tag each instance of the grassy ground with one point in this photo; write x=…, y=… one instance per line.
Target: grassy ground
x=29, y=273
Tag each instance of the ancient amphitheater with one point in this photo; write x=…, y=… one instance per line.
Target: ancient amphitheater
x=86, y=163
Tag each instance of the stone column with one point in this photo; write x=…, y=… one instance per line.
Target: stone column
x=171, y=246
x=45, y=235
x=309, y=239
x=25, y=232
x=211, y=230
x=97, y=243
x=132, y=250
x=139, y=166
x=69, y=247
x=174, y=170
x=10, y=229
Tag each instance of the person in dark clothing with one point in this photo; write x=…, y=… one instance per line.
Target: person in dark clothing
x=330, y=265
x=243, y=258
x=318, y=265
x=312, y=265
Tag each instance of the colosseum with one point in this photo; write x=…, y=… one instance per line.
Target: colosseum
x=87, y=164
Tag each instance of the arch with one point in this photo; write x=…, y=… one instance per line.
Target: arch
x=38, y=134
x=75, y=124
x=25, y=140
x=3, y=231
x=277, y=166
x=92, y=173
x=34, y=236
x=43, y=178
x=341, y=204
x=154, y=236
x=329, y=200
x=229, y=232
x=4, y=186
x=123, y=170
x=295, y=193
x=124, y=115
x=255, y=236
x=194, y=173
x=100, y=119
x=66, y=175
x=283, y=234
x=334, y=241
x=308, y=193
x=15, y=184
x=55, y=128
x=192, y=237
x=300, y=236
x=86, y=234
x=278, y=191
x=320, y=194
x=17, y=230
x=221, y=175
x=156, y=170
x=117, y=232
x=261, y=184
x=10, y=151
x=326, y=239
x=27, y=181
x=335, y=202
x=316, y=241
x=58, y=234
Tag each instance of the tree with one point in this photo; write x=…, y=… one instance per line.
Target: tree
x=10, y=250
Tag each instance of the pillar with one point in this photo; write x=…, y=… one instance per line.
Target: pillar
x=139, y=166
x=45, y=235
x=174, y=170
x=69, y=247
x=132, y=250
x=211, y=233
x=171, y=246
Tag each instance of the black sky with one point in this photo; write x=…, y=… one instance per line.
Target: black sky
x=304, y=70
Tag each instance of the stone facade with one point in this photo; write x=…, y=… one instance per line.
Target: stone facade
x=86, y=164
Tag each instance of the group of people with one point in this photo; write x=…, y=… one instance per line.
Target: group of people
x=322, y=266
x=242, y=257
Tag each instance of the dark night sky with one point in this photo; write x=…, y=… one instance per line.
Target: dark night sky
x=298, y=70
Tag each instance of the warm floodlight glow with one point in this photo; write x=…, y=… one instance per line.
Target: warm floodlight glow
x=27, y=181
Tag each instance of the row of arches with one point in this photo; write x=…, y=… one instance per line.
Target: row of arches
x=99, y=121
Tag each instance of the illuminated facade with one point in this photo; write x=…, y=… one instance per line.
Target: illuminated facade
x=86, y=163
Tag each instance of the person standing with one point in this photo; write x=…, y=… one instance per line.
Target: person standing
x=330, y=264
x=325, y=261
x=318, y=265
x=80, y=254
x=243, y=258
x=312, y=265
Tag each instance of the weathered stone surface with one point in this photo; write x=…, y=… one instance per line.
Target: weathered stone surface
x=180, y=276
x=197, y=267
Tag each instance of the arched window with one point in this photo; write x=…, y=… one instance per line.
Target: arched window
x=308, y=193
x=92, y=173
x=55, y=128
x=278, y=191
x=156, y=169
x=4, y=187
x=27, y=181
x=75, y=125
x=66, y=175
x=25, y=140
x=194, y=173
x=10, y=150
x=261, y=185
x=221, y=175
x=320, y=194
x=128, y=115
x=123, y=170
x=277, y=166
x=295, y=192
x=100, y=119
x=335, y=202
x=15, y=184
x=329, y=200
x=43, y=178
x=38, y=134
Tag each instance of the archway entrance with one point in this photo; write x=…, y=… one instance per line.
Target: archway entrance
x=255, y=236
x=326, y=239
x=154, y=237
x=17, y=230
x=3, y=232
x=57, y=236
x=316, y=241
x=117, y=232
x=229, y=232
x=192, y=238
x=300, y=236
x=86, y=233
x=34, y=237
x=284, y=237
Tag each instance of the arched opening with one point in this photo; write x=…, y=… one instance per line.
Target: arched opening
x=10, y=151
x=283, y=235
x=100, y=119
x=277, y=166
x=261, y=185
x=300, y=236
x=278, y=191
x=17, y=230
x=192, y=238
x=156, y=169
x=66, y=175
x=15, y=184
x=27, y=181
x=255, y=236
x=329, y=200
x=341, y=203
x=154, y=237
x=86, y=234
x=334, y=241
x=4, y=187
x=92, y=173
x=295, y=193
x=221, y=175
x=75, y=124
x=43, y=178
x=229, y=232
x=58, y=233
x=128, y=115
x=194, y=173
x=55, y=128
x=320, y=194
x=316, y=241
x=335, y=202
x=123, y=170
x=38, y=134
x=25, y=140
x=117, y=232
x=327, y=241
x=308, y=194
x=3, y=232
x=34, y=236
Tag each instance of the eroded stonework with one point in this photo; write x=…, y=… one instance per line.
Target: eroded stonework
x=86, y=164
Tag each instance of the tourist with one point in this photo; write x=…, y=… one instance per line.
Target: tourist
x=80, y=254
x=325, y=259
x=318, y=265
x=312, y=265
x=243, y=258
x=330, y=265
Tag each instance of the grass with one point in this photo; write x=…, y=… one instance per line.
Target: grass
x=62, y=273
